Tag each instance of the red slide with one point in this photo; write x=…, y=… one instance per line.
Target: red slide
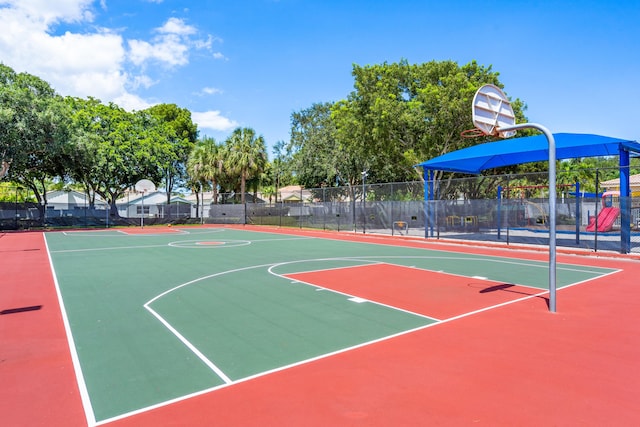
x=606, y=218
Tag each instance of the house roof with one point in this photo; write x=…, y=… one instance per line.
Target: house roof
x=514, y=151
x=70, y=197
x=634, y=181
x=293, y=193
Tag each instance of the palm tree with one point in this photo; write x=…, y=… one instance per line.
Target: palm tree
x=196, y=167
x=247, y=156
x=205, y=165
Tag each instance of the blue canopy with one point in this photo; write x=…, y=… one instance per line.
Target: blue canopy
x=515, y=151
x=509, y=152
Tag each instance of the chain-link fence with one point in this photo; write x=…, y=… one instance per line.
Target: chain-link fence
x=502, y=208
x=24, y=215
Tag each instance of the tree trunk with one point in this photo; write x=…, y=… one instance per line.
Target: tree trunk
x=113, y=208
x=243, y=184
x=214, y=189
x=198, y=204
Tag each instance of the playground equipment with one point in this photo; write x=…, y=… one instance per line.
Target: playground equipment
x=603, y=222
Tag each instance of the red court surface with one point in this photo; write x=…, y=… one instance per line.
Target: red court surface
x=37, y=380
x=517, y=364
x=429, y=293
x=148, y=230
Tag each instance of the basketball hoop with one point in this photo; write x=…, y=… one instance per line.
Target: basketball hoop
x=472, y=133
x=492, y=111
x=145, y=186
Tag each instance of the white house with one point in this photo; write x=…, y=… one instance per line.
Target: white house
x=68, y=203
x=154, y=204
x=71, y=197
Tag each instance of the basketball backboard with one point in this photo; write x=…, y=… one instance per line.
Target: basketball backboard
x=145, y=186
x=492, y=110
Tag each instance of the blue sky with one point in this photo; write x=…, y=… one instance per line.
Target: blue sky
x=576, y=64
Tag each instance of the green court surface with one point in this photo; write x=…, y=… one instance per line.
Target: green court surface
x=160, y=317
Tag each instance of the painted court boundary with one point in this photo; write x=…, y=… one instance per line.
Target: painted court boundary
x=591, y=329
x=212, y=365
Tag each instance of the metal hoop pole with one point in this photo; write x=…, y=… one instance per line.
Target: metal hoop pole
x=552, y=205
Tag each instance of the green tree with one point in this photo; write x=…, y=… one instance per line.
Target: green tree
x=402, y=112
x=114, y=148
x=316, y=155
x=205, y=165
x=180, y=135
x=247, y=156
x=319, y=157
x=197, y=170
x=34, y=130
x=282, y=173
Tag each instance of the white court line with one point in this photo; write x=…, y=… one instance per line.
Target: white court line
x=262, y=374
x=319, y=270
x=531, y=263
x=306, y=361
x=197, y=352
x=115, y=248
x=383, y=241
x=191, y=347
x=82, y=386
x=120, y=233
x=283, y=239
x=349, y=296
x=170, y=244
x=228, y=381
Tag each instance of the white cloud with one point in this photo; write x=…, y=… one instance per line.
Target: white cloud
x=96, y=62
x=74, y=64
x=177, y=26
x=211, y=91
x=171, y=46
x=168, y=49
x=142, y=80
x=46, y=12
x=213, y=120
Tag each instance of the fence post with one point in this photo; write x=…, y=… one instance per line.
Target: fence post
x=625, y=205
x=578, y=213
x=393, y=205
x=595, y=242
x=499, y=210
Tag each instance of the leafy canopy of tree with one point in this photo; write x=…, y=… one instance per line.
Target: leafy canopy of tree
x=113, y=148
x=316, y=156
x=398, y=115
x=242, y=159
x=204, y=166
x=246, y=156
x=34, y=130
x=179, y=134
x=47, y=139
